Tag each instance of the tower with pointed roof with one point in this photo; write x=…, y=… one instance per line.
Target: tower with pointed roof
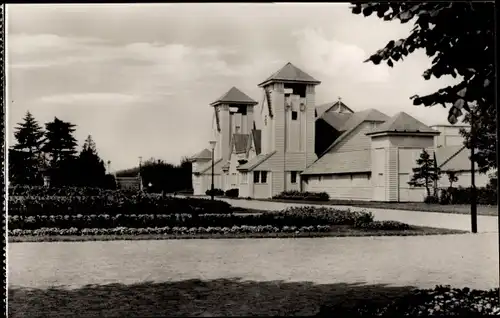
x=233, y=114
x=288, y=124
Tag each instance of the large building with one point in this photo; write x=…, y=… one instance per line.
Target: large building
x=287, y=142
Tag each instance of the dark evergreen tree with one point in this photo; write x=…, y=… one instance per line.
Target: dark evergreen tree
x=25, y=157
x=60, y=147
x=91, y=168
x=460, y=38
x=426, y=173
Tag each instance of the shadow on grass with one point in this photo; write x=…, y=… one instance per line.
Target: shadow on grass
x=220, y=297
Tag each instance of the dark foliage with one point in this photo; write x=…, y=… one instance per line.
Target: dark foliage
x=306, y=196
x=459, y=37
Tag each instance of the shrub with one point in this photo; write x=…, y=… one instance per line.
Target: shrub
x=445, y=196
x=232, y=193
x=485, y=195
x=114, y=203
x=297, y=195
x=217, y=192
x=384, y=226
x=430, y=199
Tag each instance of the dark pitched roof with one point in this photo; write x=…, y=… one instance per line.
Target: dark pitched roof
x=204, y=154
x=354, y=121
x=234, y=96
x=257, y=138
x=290, y=73
x=336, y=120
x=240, y=142
x=402, y=122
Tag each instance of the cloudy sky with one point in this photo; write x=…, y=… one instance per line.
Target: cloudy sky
x=140, y=77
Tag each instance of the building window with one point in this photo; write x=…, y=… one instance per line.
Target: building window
x=294, y=115
x=263, y=177
x=294, y=177
x=244, y=177
x=260, y=176
x=256, y=175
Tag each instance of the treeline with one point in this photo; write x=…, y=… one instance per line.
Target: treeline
x=159, y=176
x=53, y=152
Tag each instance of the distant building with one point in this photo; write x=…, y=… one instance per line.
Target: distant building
x=297, y=145
x=128, y=183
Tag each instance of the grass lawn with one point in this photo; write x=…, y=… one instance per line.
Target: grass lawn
x=491, y=210
x=337, y=231
x=220, y=297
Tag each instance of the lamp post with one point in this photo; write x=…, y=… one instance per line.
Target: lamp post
x=212, y=146
x=473, y=203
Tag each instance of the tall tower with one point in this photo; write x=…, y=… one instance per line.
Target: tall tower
x=290, y=95
x=233, y=114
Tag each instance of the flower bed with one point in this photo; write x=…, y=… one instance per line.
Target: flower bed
x=297, y=216
x=306, y=196
x=114, y=203
x=40, y=191
x=176, y=230
x=442, y=300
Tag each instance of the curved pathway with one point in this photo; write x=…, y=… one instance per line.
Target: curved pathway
x=486, y=224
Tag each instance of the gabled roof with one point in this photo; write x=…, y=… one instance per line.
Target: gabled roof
x=354, y=121
x=234, y=96
x=290, y=73
x=453, y=158
x=341, y=162
x=403, y=123
x=204, y=154
x=208, y=166
x=324, y=108
x=255, y=162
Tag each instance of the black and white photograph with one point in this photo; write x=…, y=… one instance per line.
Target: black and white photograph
x=250, y=159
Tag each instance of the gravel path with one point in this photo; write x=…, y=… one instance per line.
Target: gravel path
x=425, y=261
x=486, y=224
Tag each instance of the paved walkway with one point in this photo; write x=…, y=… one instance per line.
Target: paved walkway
x=420, y=261
x=486, y=224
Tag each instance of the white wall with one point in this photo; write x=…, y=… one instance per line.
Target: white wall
x=342, y=187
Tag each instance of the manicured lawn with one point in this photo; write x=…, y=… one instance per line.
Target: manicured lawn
x=491, y=210
x=337, y=231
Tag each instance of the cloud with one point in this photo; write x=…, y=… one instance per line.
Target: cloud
x=333, y=58
x=92, y=98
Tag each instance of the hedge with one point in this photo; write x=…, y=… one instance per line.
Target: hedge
x=115, y=203
x=306, y=196
x=485, y=196
x=217, y=192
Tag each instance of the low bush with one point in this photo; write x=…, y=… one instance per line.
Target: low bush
x=485, y=195
x=297, y=216
x=383, y=226
x=440, y=301
x=41, y=191
x=176, y=230
x=430, y=199
x=114, y=204
x=232, y=193
x=217, y=192
x=306, y=196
